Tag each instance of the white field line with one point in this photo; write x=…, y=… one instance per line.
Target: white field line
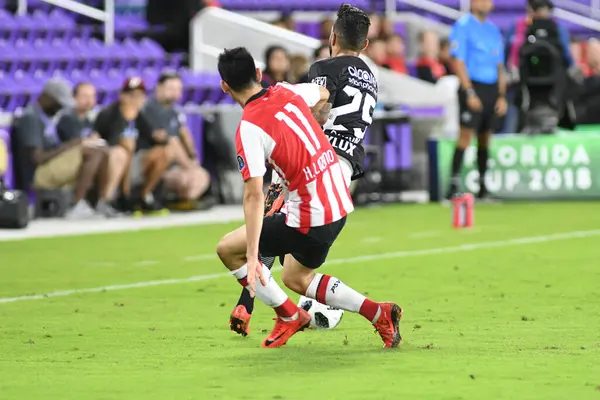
x=372, y=257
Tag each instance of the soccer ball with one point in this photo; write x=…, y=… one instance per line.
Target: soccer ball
x=321, y=315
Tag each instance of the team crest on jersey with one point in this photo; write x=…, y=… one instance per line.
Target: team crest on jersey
x=241, y=163
x=320, y=80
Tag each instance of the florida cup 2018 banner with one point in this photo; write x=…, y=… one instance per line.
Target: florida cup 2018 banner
x=564, y=166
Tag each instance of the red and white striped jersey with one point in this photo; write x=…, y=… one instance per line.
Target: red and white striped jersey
x=278, y=128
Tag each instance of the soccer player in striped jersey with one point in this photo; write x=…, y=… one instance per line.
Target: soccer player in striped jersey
x=278, y=128
x=344, y=116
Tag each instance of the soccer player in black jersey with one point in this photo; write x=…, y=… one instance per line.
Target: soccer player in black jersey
x=345, y=117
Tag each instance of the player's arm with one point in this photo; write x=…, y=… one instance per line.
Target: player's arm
x=317, y=76
x=254, y=200
x=251, y=158
x=316, y=97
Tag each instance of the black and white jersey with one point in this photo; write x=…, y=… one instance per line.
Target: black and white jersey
x=353, y=94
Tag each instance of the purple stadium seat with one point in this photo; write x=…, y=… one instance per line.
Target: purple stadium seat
x=8, y=26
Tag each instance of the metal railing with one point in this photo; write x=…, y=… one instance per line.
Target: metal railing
x=592, y=23
x=107, y=15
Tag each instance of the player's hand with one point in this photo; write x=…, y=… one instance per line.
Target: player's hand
x=274, y=199
x=255, y=272
x=501, y=106
x=474, y=103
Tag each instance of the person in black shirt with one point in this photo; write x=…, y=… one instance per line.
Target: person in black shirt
x=137, y=156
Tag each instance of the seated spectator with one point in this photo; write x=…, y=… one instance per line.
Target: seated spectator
x=376, y=51
x=185, y=177
x=429, y=68
x=277, y=68
x=298, y=67
x=137, y=154
x=79, y=121
x=53, y=162
x=445, y=58
x=396, y=60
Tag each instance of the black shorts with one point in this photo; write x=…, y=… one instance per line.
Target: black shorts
x=310, y=249
x=481, y=121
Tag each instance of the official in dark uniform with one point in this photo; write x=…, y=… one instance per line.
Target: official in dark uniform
x=478, y=51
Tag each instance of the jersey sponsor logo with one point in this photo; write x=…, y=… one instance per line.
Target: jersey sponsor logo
x=362, y=75
x=320, y=80
x=241, y=163
x=342, y=144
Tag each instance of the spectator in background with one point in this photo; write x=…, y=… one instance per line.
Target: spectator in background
x=375, y=27
x=78, y=121
x=137, y=156
x=52, y=162
x=395, y=49
x=445, y=58
x=515, y=35
x=185, y=177
x=429, y=68
x=278, y=66
x=286, y=22
x=387, y=27
x=299, y=68
x=320, y=53
x=593, y=57
x=376, y=51
x=326, y=27
x=579, y=51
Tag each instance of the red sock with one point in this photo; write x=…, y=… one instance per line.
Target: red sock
x=287, y=310
x=370, y=310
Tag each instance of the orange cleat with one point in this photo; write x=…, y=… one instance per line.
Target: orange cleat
x=239, y=321
x=387, y=324
x=284, y=330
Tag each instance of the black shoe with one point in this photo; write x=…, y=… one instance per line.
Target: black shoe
x=153, y=207
x=484, y=196
x=452, y=191
x=124, y=205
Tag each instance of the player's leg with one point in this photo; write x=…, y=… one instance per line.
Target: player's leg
x=469, y=121
x=484, y=135
x=232, y=250
x=299, y=275
x=239, y=321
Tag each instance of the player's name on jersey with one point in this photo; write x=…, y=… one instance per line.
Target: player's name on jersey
x=344, y=144
x=317, y=167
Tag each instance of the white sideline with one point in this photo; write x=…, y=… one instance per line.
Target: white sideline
x=372, y=257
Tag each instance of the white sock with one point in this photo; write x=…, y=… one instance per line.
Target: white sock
x=271, y=294
x=333, y=292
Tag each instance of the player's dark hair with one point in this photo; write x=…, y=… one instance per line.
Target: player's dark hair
x=351, y=27
x=237, y=68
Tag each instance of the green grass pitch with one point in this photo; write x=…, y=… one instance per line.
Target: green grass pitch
x=507, y=310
